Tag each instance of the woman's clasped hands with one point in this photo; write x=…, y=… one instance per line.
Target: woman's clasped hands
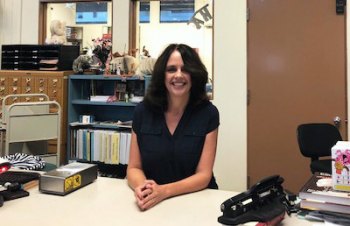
x=149, y=194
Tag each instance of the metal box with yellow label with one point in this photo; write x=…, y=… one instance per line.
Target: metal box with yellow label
x=68, y=178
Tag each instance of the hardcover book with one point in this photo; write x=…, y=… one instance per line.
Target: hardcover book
x=325, y=206
x=316, y=190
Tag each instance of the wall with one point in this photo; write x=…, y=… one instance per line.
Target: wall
x=120, y=30
x=230, y=88
x=229, y=72
x=19, y=21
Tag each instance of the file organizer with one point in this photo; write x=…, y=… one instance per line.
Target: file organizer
x=39, y=57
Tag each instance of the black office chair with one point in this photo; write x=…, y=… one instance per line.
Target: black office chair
x=316, y=140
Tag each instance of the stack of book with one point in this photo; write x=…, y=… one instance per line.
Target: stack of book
x=318, y=194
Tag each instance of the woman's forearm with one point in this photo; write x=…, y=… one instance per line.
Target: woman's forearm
x=196, y=182
x=135, y=177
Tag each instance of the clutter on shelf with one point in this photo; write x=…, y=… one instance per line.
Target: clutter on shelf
x=99, y=59
x=95, y=58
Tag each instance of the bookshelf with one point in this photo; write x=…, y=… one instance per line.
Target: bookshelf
x=107, y=115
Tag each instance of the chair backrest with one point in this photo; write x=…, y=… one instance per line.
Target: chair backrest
x=317, y=139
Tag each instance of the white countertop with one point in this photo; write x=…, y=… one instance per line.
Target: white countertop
x=109, y=201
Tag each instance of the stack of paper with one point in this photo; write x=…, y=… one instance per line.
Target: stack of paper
x=99, y=98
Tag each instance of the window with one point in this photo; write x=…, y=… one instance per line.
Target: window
x=91, y=13
x=176, y=11
x=144, y=12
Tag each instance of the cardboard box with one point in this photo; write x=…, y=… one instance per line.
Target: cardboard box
x=68, y=178
x=341, y=166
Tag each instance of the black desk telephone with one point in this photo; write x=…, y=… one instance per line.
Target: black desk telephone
x=263, y=202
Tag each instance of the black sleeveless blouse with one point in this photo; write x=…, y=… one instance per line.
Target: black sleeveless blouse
x=168, y=158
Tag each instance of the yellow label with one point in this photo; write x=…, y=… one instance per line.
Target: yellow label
x=77, y=181
x=342, y=187
x=68, y=184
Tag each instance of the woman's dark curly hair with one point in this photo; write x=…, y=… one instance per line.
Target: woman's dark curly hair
x=156, y=95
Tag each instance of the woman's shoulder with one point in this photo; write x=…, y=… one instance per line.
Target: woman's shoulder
x=205, y=117
x=140, y=116
x=143, y=109
x=208, y=107
x=140, y=106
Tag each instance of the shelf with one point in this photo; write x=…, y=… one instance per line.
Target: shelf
x=102, y=77
x=80, y=90
x=99, y=126
x=88, y=102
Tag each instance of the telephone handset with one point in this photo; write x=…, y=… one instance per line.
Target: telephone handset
x=262, y=202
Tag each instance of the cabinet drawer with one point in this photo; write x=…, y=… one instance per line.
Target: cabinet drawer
x=14, y=90
x=27, y=99
x=28, y=89
x=1, y=100
x=14, y=81
x=3, y=90
x=54, y=93
x=41, y=82
x=40, y=90
x=12, y=100
x=55, y=83
x=3, y=81
x=28, y=81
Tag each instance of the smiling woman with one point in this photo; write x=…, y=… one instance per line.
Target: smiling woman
x=174, y=131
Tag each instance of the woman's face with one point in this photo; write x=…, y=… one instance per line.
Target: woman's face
x=177, y=80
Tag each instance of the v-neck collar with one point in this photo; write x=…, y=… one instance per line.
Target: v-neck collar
x=182, y=121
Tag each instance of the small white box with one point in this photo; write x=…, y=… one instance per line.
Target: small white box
x=86, y=119
x=341, y=166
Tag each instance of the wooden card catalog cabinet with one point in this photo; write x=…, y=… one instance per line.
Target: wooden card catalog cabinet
x=51, y=83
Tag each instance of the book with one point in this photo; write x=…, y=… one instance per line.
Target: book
x=122, y=148
x=99, y=98
x=115, y=140
x=30, y=184
x=97, y=144
x=325, y=206
x=128, y=144
x=311, y=191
